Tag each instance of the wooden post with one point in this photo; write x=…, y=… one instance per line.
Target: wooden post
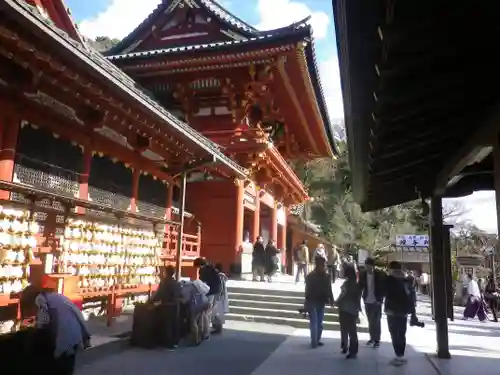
x=168, y=214
x=496, y=179
x=439, y=278
x=10, y=125
x=83, y=192
x=274, y=222
x=238, y=235
x=135, y=190
x=256, y=218
x=180, y=231
x=282, y=239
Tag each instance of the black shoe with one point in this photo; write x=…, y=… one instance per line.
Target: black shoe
x=376, y=345
x=351, y=356
x=370, y=342
x=171, y=348
x=320, y=343
x=343, y=351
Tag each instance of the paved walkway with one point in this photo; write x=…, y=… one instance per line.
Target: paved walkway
x=261, y=349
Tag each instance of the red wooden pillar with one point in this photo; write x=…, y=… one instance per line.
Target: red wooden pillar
x=168, y=215
x=274, y=222
x=10, y=125
x=135, y=189
x=282, y=237
x=256, y=218
x=83, y=192
x=238, y=235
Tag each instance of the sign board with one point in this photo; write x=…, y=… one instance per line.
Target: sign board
x=412, y=240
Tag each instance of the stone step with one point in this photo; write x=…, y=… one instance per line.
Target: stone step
x=292, y=322
x=258, y=311
x=272, y=304
x=266, y=291
x=264, y=296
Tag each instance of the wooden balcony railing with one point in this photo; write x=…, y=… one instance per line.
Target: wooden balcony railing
x=191, y=245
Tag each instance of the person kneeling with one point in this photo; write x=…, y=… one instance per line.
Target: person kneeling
x=349, y=304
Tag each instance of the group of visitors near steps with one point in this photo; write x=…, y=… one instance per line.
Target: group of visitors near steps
x=393, y=290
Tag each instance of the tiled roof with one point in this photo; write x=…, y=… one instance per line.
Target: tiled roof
x=259, y=39
x=122, y=81
x=222, y=14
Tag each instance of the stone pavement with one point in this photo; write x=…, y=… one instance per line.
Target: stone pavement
x=261, y=349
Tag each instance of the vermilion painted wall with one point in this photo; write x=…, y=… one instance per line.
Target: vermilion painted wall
x=214, y=204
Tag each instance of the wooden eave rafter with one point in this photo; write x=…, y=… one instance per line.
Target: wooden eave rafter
x=111, y=85
x=60, y=126
x=309, y=96
x=91, y=95
x=289, y=89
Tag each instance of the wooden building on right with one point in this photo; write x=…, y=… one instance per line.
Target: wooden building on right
x=422, y=112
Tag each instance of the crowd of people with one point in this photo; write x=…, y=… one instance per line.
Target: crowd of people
x=394, y=290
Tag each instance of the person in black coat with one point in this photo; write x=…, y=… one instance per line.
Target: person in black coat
x=399, y=303
x=272, y=260
x=259, y=259
x=372, y=285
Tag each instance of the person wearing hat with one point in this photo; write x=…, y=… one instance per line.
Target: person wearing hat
x=372, y=285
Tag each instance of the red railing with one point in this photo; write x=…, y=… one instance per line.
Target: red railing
x=191, y=245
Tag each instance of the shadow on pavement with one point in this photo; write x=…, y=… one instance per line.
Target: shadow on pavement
x=233, y=352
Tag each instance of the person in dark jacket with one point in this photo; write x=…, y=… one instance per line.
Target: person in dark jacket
x=318, y=293
x=372, y=285
x=210, y=276
x=490, y=295
x=349, y=304
x=398, y=305
x=272, y=260
x=259, y=259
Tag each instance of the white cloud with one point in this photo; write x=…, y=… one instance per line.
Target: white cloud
x=481, y=210
x=278, y=13
x=330, y=80
x=119, y=19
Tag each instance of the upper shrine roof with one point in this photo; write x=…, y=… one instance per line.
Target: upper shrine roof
x=191, y=26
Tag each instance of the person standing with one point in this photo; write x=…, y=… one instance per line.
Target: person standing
x=318, y=293
x=272, y=260
x=349, y=303
x=491, y=295
x=332, y=262
x=475, y=302
x=398, y=305
x=259, y=259
x=372, y=285
x=302, y=260
x=210, y=276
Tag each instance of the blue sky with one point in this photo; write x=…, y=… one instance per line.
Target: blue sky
x=116, y=18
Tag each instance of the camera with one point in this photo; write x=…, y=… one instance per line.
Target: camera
x=303, y=313
x=414, y=322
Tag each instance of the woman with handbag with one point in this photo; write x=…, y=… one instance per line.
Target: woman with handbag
x=61, y=329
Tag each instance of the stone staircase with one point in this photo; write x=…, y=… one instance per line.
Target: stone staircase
x=274, y=306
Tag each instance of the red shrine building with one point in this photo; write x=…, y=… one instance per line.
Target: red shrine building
x=257, y=94
x=176, y=144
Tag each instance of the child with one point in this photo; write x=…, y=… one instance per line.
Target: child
x=349, y=304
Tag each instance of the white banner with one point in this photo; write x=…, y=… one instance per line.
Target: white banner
x=412, y=240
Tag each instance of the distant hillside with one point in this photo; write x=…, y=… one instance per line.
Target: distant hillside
x=103, y=43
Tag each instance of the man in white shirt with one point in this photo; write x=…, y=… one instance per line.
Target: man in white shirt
x=372, y=285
